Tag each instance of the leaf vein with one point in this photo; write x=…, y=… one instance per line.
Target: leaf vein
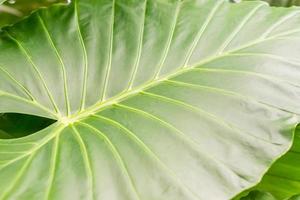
x=84, y=88
x=86, y=160
x=18, y=177
x=238, y=29
x=205, y=113
x=41, y=78
x=109, y=60
x=116, y=154
x=201, y=32
x=170, y=38
x=50, y=40
x=143, y=146
x=140, y=47
x=52, y=167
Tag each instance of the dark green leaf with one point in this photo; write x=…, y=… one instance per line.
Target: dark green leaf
x=258, y=195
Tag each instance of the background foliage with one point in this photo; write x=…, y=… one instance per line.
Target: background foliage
x=13, y=10
x=283, y=2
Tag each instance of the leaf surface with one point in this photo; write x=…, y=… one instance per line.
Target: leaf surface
x=153, y=99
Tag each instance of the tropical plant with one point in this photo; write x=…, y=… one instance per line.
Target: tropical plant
x=150, y=99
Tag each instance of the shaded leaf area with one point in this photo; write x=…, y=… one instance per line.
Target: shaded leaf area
x=13, y=125
x=258, y=195
x=286, y=3
x=185, y=100
x=14, y=10
x=282, y=3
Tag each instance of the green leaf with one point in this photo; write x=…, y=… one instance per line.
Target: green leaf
x=19, y=125
x=157, y=99
x=258, y=195
x=15, y=10
x=5, y=135
x=283, y=179
x=296, y=197
x=285, y=3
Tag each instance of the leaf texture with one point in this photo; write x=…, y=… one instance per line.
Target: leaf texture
x=154, y=99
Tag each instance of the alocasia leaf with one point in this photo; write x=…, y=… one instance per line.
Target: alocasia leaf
x=154, y=99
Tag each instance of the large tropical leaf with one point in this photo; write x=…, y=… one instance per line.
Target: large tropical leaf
x=153, y=99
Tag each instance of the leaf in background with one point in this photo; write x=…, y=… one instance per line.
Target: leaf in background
x=296, y=197
x=280, y=3
x=286, y=3
x=258, y=195
x=14, y=10
x=5, y=135
x=153, y=99
x=19, y=125
x=283, y=179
